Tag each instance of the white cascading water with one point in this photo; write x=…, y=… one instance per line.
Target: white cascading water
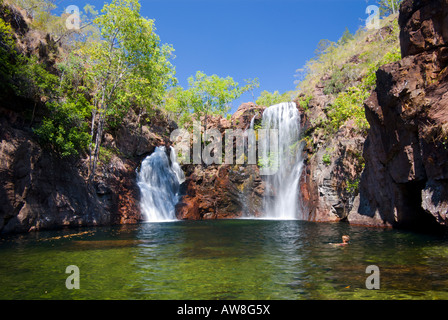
x=282, y=188
x=252, y=121
x=159, y=180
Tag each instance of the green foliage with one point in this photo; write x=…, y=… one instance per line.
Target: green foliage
x=177, y=104
x=258, y=125
x=39, y=10
x=340, y=79
x=348, y=105
x=326, y=158
x=24, y=75
x=106, y=154
x=351, y=55
x=126, y=67
x=206, y=95
x=369, y=80
x=268, y=99
x=347, y=71
x=389, y=6
x=33, y=81
x=66, y=131
x=346, y=37
x=212, y=94
x=324, y=46
x=304, y=101
x=352, y=186
x=7, y=54
x=129, y=65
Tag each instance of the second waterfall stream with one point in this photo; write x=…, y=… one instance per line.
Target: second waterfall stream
x=159, y=181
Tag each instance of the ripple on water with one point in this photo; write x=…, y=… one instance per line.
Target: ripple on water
x=225, y=259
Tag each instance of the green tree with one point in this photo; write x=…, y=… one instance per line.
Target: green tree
x=211, y=95
x=40, y=11
x=127, y=66
x=176, y=103
x=323, y=47
x=346, y=37
x=389, y=6
x=268, y=99
x=66, y=128
x=8, y=55
x=348, y=105
x=252, y=84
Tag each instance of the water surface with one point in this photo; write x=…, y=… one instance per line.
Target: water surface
x=224, y=259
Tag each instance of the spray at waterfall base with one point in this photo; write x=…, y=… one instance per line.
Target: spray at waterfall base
x=275, y=149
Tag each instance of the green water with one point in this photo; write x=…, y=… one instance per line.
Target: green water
x=224, y=259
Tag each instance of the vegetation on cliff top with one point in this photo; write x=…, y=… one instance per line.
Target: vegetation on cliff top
x=346, y=72
x=335, y=84
x=113, y=63
x=116, y=62
x=97, y=75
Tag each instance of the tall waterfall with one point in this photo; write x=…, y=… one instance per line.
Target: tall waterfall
x=159, y=180
x=281, y=199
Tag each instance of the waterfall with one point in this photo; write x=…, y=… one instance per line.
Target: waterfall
x=159, y=180
x=281, y=200
x=251, y=126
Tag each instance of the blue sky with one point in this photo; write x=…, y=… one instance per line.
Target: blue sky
x=264, y=39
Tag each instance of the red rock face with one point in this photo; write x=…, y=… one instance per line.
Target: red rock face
x=424, y=26
x=406, y=174
x=223, y=191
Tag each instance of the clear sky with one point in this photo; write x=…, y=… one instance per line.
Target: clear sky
x=264, y=39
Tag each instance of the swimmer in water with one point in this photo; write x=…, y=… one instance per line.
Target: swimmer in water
x=345, y=240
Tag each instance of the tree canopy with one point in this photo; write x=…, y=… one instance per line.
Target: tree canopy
x=207, y=95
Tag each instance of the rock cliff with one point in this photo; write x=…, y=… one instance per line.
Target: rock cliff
x=223, y=191
x=405, y=181
x=39, y=189
x=331, y=165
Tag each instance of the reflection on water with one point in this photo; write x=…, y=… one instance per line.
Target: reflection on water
x=225, y=259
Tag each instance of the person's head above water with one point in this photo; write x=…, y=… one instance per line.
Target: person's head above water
x=345, y=239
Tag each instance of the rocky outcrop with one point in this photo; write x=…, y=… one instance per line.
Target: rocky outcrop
x=220, y=192
x=405, y=180
x=423, y=26
x=227, y=190
x=40, y=191
x=329, y=184
x=244, y=114
x=332, y=165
